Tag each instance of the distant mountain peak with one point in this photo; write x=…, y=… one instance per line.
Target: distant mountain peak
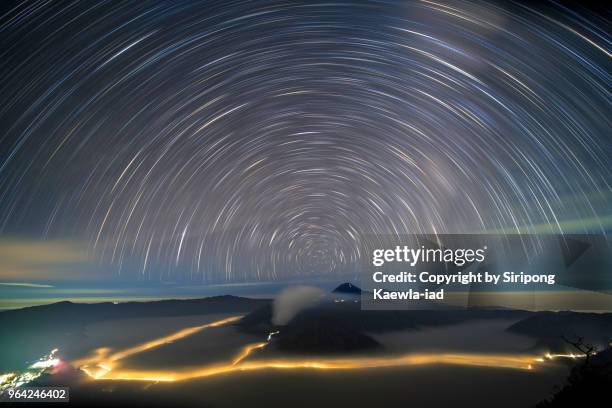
x=347, y=287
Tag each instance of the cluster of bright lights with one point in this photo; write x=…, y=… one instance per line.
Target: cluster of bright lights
x=35, y=370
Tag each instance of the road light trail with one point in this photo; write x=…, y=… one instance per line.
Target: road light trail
x=101, y=362
x=102, y=366
x=520, y=362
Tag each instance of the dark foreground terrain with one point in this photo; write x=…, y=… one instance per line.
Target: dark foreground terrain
x=327, y=329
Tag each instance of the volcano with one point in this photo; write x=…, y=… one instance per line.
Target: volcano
x=347, y=287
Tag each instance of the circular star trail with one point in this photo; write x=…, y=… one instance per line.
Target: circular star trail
x=238, y=141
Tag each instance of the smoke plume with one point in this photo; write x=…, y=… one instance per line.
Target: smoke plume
x=291, y=301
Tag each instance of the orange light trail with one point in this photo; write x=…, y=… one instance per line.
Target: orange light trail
x=169, y=339
x=100, y=363
x=247, y=350
x=101, y=366
x=482, y=360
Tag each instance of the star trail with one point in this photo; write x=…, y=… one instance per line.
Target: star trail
x=254, y=141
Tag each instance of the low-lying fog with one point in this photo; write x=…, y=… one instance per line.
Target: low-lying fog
x=486, y=336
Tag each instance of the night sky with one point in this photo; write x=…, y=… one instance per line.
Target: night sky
x=244, y=142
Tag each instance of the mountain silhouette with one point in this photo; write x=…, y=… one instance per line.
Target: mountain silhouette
x=347, y=287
